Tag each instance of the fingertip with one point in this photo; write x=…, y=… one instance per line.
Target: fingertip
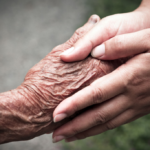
x=81, y=48
x=61, y=111
x=78, y=54
x=70, y=58
x=59, y=117
x=98, y=51
x=94, y=19
x=57, y=111
x=65, y=58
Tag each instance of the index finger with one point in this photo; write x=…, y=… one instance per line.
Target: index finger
x=96, y=36
x=99, y=91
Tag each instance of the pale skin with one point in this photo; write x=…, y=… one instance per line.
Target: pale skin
x=121, y=96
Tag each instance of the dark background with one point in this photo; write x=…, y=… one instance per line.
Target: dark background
x=29, y=29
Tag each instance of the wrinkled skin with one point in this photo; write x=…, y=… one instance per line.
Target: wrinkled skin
x=26, y=112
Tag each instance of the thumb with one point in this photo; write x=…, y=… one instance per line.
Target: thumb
x=82, y=48
x=123, y=46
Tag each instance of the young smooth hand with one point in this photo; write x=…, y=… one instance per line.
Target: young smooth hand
x=123, y=95
x=107, y=28
x=115, y=99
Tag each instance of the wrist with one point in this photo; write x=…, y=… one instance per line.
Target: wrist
x=25, y=114
x=143, y=14
x=144, y=8
x=21, y=117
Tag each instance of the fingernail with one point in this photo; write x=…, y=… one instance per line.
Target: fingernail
x=93, y=19
x=71, y=139
x=98, y=51
x=68, y=51
x=58, y=138
x=59, y=117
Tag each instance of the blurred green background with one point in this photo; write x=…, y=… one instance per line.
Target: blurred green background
x=132, y=136
x=107, y=7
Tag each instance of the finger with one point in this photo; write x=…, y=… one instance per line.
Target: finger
x=79, y=33
x=97, y=35
x=126, y=117
x=123, y=45
x=97, y=115
x=102, y=89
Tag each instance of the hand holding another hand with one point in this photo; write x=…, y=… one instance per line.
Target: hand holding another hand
x=120, y=97
x=106, y=29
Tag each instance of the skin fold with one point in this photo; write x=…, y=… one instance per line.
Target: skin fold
x=26, y=112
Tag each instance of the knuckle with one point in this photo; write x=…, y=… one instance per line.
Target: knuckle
x=91, y=43
x=130, y=76
x=97, y=95
x=132, y=79
x=99, y=118
x=78, y=34
x=118, y=43
x=110, y=126
x=79, y=31
x=147, y=34
x=75, y=106
x=74, y=130
x=73, y=40
x=146, y=38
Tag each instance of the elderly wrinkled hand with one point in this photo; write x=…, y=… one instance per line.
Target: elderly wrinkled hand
x=26, y=112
